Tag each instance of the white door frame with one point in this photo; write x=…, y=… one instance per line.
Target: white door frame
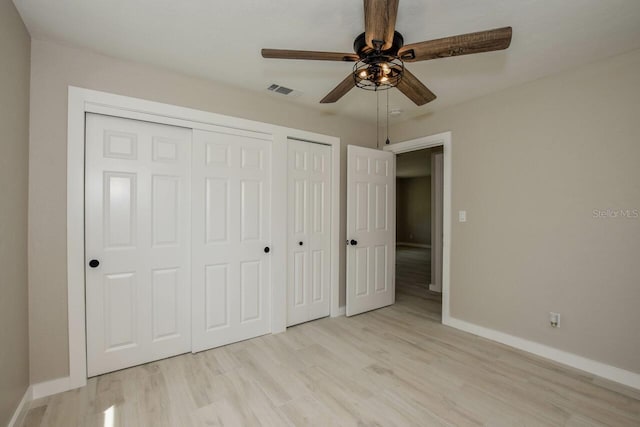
x=83, y=101
x=444, y=140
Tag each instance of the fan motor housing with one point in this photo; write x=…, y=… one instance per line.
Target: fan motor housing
x=360, y=46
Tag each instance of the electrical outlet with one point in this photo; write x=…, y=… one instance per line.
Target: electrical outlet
x=462, y=216
x=554, y=319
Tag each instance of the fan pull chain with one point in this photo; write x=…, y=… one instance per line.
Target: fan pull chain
x=387, y=141
x=378, y=120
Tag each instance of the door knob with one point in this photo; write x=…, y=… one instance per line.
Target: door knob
x=94, y=263
x=353, y=242
x=300, y=243
x=267, y=250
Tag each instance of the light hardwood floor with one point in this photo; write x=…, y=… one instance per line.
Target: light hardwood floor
x=413, y=275
x=394, y=366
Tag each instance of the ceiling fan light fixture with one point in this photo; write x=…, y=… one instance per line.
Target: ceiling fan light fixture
x=378, y=73
x=380, y=52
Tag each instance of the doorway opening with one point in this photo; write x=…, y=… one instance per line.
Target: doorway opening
x=419, y=231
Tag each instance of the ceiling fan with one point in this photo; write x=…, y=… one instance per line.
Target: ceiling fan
x=380, y=54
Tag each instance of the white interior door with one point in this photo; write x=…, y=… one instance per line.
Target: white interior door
x=231, y=179
x=309, y=231
x=371, y=229
x=137, y=221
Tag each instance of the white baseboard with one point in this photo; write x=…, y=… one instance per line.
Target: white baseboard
x=434, y=288
x=48, y=388
x=342, y=310
x=21, y=410
x=413, y=245
x=622, y=376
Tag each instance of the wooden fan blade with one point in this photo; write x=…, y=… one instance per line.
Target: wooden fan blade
x=380, y=22
x=464, y=44
x=309, y=54
x=414, y=89
x=341, y=90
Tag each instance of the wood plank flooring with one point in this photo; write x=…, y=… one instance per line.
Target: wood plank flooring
x=390, y=367
x=413, y=275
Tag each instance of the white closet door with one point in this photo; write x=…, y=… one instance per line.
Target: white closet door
x=371, y=229
x=137, y=228
x=231, y=180
x=309, y=223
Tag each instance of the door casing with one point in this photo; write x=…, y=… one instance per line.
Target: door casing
x=443, y=140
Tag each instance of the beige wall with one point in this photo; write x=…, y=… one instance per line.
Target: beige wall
x=413, y=210
x=530, y=164
x=14, y=123
x=55, y=67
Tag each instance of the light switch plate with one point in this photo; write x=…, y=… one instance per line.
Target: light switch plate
x=462, y=216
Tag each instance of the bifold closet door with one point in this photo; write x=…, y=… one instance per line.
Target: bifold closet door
x=309, y=231
x=137, y=233
x=231, y=262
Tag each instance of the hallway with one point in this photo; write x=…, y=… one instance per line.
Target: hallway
x=413, y=275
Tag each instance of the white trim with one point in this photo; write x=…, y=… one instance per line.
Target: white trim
x=628, y=378
x=444, y=140
x=434, y=288
x=278, y=240
x=82, y=101
x=75, y=248
x=413, y=245
x=48, y=388
x=21, y=410
x=336, y=310
x=342, y=311
x=419, y=143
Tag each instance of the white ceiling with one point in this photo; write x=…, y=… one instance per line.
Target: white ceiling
x=222, y=41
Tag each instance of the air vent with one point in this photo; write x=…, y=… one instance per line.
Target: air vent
x=283, y=90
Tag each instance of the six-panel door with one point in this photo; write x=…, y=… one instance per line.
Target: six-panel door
x=371, y=229
x=231, y=262
x=137, y=242
x=309, y=225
